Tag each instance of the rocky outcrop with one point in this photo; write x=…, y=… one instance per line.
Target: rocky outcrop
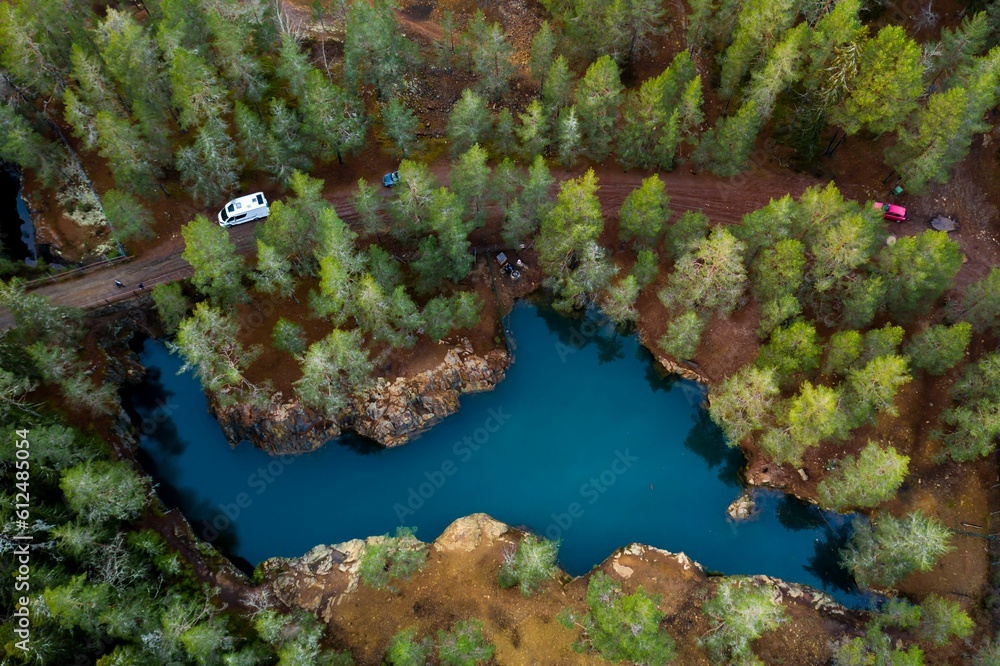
x=742, y=508
x=392, y=412
x=281, y=427
x=389, y=413
x=326, y=576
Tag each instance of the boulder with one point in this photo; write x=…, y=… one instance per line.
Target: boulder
x=743, y=508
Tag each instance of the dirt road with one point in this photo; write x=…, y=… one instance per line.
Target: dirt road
x=724, y=201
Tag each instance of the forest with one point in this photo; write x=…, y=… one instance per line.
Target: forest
x=182, y=104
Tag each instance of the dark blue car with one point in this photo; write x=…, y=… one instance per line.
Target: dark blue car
x=390, y=179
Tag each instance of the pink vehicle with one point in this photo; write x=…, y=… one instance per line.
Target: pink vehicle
x=891, y=211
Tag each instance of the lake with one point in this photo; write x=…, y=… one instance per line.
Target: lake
x=585, y=441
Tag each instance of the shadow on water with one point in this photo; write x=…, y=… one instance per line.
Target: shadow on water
x=358, y=444
x=591, y=328
x=658, y=378
x=795, y=514
x=708, y=442
x=825, y=562
x=17, y=234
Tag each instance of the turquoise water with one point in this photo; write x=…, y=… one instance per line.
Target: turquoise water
x=585, y=441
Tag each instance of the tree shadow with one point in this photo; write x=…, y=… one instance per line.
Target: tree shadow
x=794, y=514
x=825, y=562
x=585, y=329
x=707, y=440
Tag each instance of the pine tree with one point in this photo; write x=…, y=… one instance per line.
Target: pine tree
x=918, y=270
x=470, y=180
x=981, y=304
x=882, y=555
x=939, y=348
x=400, y=125
x=557, y=91
x=742, y=403
x=543, y=45
x=195, y=88
x=503, y=142
x=741, y=611
x=171, y=305
x=127, y=216
x=709, y=277
x=813, y=415
x=725, y=149
x=126, y=151
x=835, y=29
x=274, y=272
x=975, y=416
x=568, y=251
x=644, y=212
x=683, y=336
x=843, y=349
x=618, y=301
x=885, y=84
x=957, y=47
x=368, y=205
x=568, y=136
x=776, y=312
x=445, y=47
x=699, y=23
x=506, y=183
x=646, y=268
x=782, y=69
x=209, y=344
x=686, y=233
x=333, y=369
x=659, y=115
x=791, y=350
x=133, y=61
x=533, y=132
x=409, y=208
x=218, y=269
x=375, y=51
x=534, y=197
x=491, y=62
x=866, y=481
x=759, y=24
x=767, y=226
x=597, y=98
x=333, y=122
x=288, y=337
x=468, y=122
x=276, y=146
x=872, y=388
x=208, y=166
x=778, y=271
x=941, y=619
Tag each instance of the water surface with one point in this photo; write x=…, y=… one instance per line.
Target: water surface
x=585, y=441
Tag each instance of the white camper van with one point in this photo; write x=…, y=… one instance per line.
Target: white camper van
x=251, y=207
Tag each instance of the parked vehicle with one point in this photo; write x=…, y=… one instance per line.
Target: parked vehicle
x=891, y=211
x=251, y=207
x=390, y=179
